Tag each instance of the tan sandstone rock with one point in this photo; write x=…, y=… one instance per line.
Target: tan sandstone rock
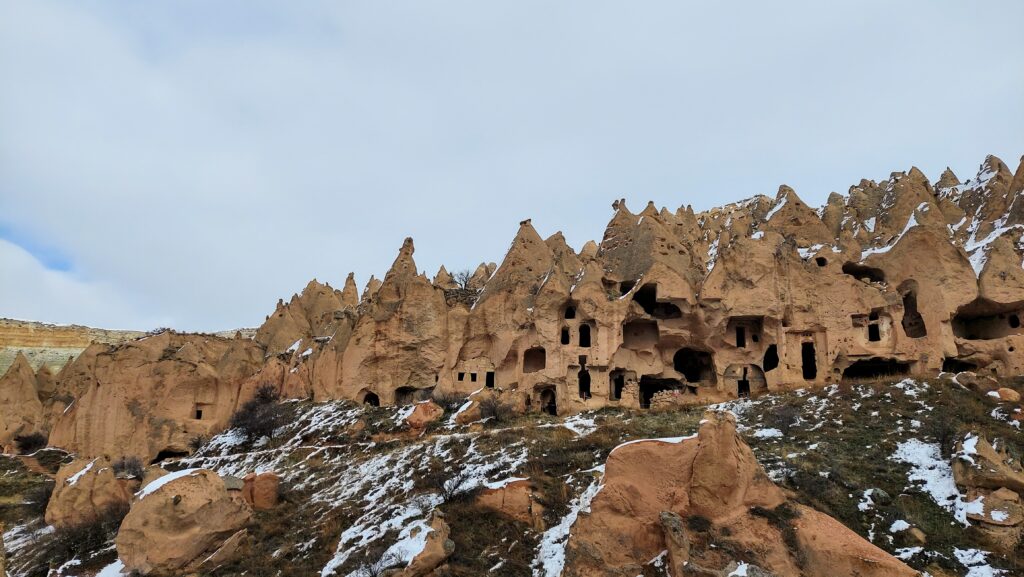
x=84, y=490
x=650, y=486
x=179, y=520
x=260, y=491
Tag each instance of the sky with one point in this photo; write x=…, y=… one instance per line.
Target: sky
x=188, y=163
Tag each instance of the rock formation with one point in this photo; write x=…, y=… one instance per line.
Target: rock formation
x=85, y=490
x=180, y=523
x=654, y=491
x=670, y=308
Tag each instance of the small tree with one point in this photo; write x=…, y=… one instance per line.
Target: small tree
x=128, y=467
x=30, y=443
x=261, y=415
x=493, y=407
x=462, y=278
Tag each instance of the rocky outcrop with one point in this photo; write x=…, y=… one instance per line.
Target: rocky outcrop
x=21, y=413
x=652, y=489
x=260, y=490
x=670, y=309
x=150, y=397
x=436, y=549
x=995, y=481
x=85, y=490
x=180, y=523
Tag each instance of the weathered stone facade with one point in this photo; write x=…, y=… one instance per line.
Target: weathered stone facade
x=670, y=308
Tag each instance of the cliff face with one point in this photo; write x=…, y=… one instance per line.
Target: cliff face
x=671, y=308
x=51, y=345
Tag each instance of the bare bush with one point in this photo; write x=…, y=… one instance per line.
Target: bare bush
x=128, y=467
x=493, y=407
x=30, y=443
x=450, y=402
x=260, y=416
x=462, y=278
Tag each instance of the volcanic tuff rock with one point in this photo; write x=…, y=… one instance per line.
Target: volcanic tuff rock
x=650, y=486
x=84, y=490
x=671, y=308
x=183, y=522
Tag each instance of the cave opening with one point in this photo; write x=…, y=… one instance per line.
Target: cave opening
x=809, y=361
x=955, y=365
x=584, y=335
x=584, y=383
x=864, y=273
x=696, y=366
x=547, y=402
x=875, y=368
x=651, y=385
x=647, y=298
x=534, y=359
x=913, y=322
x=168, y=453
x=371, y=399
x=771, y=358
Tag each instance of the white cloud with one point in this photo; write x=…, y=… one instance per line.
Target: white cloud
x=210, y=159
x=35, y=292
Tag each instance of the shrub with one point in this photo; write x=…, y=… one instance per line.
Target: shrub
x=493, y=407
x=450, y=402
x=449, y=486
x=698, y=523
x=30, y=443
x=196, y=443
x=86, y=538
x=783, y=417
x=261, y=415
x=128, y=467
x=38, y=497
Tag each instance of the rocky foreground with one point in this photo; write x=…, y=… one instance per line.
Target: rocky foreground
x=875, y=478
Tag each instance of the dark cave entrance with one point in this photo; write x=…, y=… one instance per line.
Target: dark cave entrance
x=651, y=385
x=696, y=366
x=875, y=368
x=809, y=361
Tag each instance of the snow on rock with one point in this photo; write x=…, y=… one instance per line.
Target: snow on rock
x=580, y=424
x=768, y=433
x=115, y=569
x=551, y=553
x=161, y=481
x=673, y=440
x=976, y=563
x=740, y=570
x=899, y=525
x=294, y=347
x=935, y=477
x=74, y=478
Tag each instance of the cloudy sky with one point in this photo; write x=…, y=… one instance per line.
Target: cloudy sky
x=186, y=164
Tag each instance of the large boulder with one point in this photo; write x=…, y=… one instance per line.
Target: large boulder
x=978, y=465
x=437, y=547
x=85, y=490
x=652, y=490
x=182, y=522
x=261, y=490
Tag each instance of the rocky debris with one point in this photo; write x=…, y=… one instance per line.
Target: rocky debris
x=1007, y=394
x=182, y=522
x=85, y=490
x=261, y=490
x=650, y=488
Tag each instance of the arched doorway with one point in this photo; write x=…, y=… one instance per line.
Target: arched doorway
x=748, y=380
x=547, y=402
x=371, y=399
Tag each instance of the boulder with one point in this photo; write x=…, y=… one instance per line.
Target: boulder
x=650, y=487
x=423, y=414
x=514, y=500
x=978, y=465
x=261, y=490
x=179, y=521
x=1007, y=394
x=85, y=490
x=438, y=547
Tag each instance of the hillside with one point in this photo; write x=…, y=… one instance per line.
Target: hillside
x=821, y=391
